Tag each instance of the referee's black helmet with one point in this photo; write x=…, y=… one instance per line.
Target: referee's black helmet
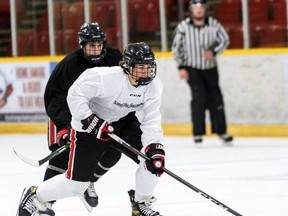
x=197, y=2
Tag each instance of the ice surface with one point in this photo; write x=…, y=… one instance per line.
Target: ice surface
x=251, y=178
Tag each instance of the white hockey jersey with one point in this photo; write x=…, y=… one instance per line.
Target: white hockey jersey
x=107, y=92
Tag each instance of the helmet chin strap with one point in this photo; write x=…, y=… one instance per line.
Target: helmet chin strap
x=95, y=59
x=133, y=81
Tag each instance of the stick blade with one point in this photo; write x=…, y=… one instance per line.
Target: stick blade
x=26, y=159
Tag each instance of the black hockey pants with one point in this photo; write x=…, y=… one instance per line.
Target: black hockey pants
x=128, y=128
x=206, y=94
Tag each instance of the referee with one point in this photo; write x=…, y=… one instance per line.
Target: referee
x=197, y=41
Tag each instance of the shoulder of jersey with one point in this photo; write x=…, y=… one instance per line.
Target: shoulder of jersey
x=71, y=57
x=112, y=49
x=105, y=70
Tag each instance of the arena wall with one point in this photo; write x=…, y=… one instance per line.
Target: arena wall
x=254, y=85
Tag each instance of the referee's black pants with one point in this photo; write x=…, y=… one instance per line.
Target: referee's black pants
x=206, y=94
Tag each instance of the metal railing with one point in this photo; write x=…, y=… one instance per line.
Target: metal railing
x=157, y=33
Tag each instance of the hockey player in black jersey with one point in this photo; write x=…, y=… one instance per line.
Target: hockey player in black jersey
x=93, y=52
x=99, y=100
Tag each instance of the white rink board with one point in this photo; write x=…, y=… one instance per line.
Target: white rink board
x=255, y=89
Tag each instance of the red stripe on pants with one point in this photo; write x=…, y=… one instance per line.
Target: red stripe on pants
x=52, y=130
x=69, y=172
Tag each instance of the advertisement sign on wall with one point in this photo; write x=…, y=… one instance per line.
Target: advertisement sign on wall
x=22, y=89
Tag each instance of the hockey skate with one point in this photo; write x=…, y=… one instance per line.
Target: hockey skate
x=30, y=206
x=198, y=139
x=142, y=208
x=226, y=139
x=43, y=209
x=89, y=198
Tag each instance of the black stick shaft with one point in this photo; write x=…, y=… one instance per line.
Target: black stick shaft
x=37, y=163
x=202, y=193
x=53, y=154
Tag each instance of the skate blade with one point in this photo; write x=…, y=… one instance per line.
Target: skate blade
x=87, y=206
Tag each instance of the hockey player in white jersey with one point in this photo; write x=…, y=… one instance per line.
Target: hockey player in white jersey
x=97, y=100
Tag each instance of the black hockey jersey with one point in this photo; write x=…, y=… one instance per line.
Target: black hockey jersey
x=64, y=75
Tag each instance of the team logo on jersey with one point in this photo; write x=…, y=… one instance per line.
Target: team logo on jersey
x=131, y=105
x=135, y=95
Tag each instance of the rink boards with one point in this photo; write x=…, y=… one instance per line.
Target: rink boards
x=169, y=129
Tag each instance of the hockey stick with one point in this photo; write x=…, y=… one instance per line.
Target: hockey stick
x=131, y=148
x=37, y=163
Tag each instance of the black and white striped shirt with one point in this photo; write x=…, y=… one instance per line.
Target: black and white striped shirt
x=190, y=42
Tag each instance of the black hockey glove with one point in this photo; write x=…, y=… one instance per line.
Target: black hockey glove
x=63, y=136
x=97, y=127
x=156, y=153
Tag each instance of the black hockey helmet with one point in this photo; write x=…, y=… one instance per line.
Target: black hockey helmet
x=196, y=2
x=91, y=32
x=139, y=53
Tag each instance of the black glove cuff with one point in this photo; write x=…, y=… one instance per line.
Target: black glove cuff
x=154, y=149
x=90, y=123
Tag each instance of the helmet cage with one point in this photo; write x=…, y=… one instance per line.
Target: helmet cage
x=95, y=59
x=144, y=80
